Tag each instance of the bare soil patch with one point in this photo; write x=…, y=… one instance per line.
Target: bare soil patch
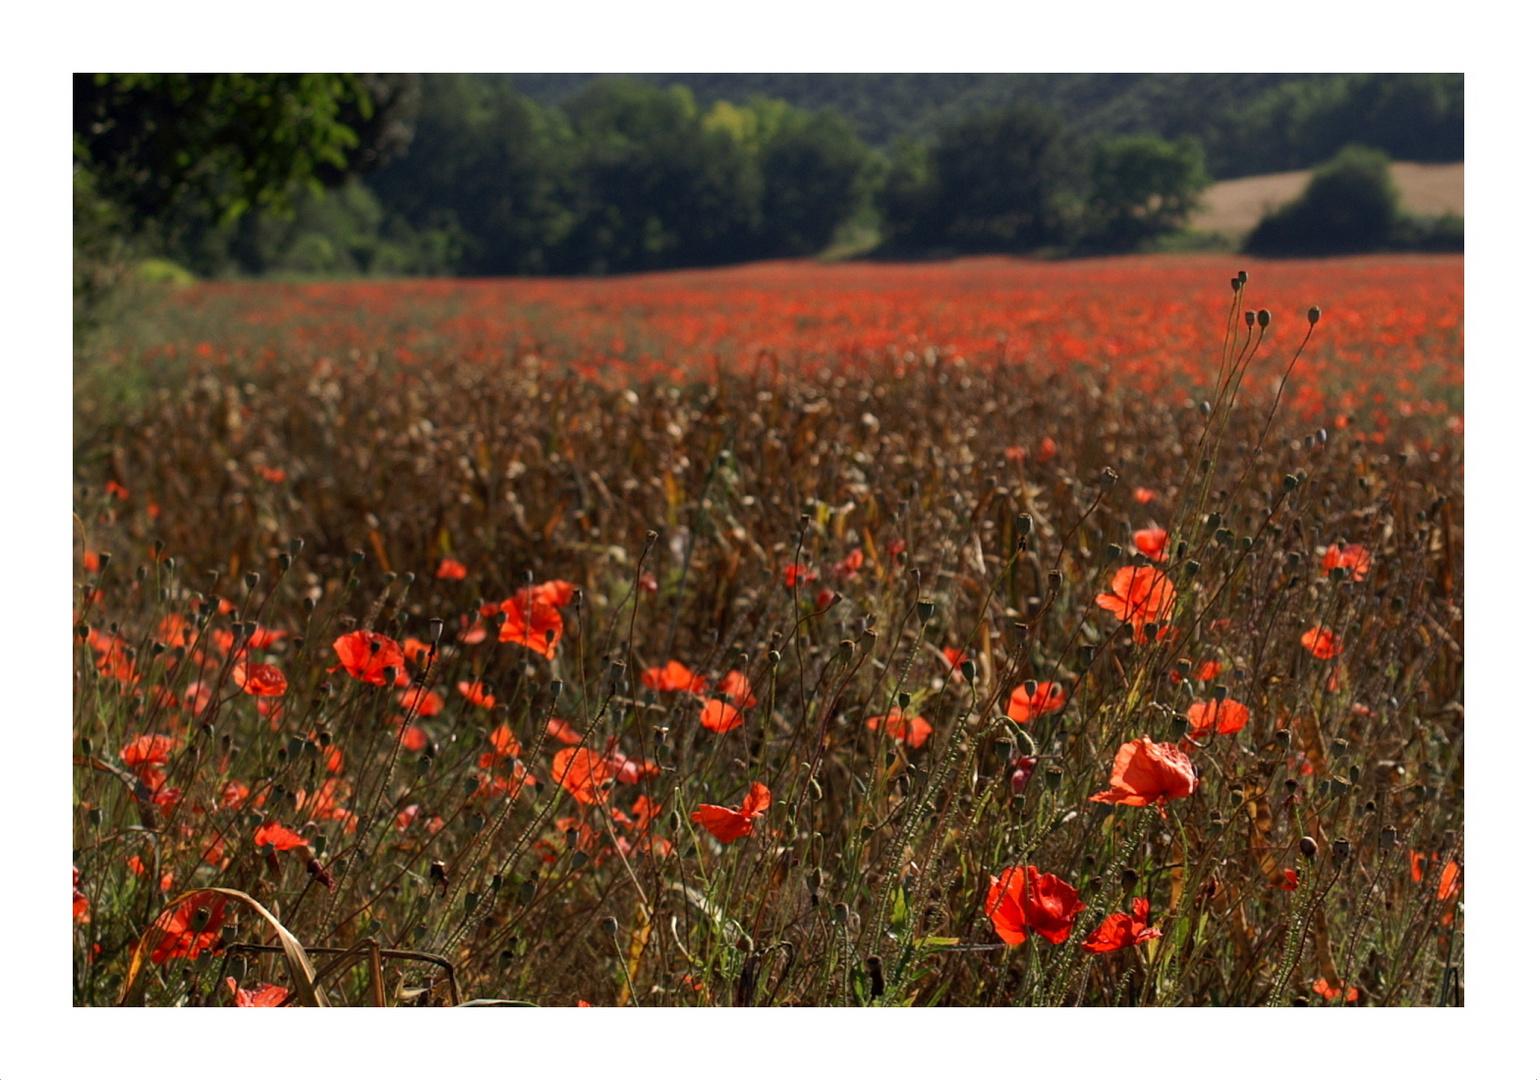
x=1236, y=206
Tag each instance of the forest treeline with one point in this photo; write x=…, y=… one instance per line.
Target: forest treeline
x=491, y=174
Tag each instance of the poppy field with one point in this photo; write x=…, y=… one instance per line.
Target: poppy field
x=976, y=633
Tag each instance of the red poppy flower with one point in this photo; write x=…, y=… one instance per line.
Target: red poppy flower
x=798, y=574
x=1025, y=706
x=452, y=570
x=532, y=620
x=563, y=731
x=263, y=680
x=1122, y=931
x=584, y=773
x=954, y=658
x=1321, y=986
x=1451, y=880
x=1324, y=644
x=1151, y=542
x=425, y=702
x=1014, y=455
x=914, y=731
x=262, y=637
x=366, y=654
x=726, y=824
x=1024, y=899
x=1144, y=495
x=735, y=686
x=280, y=837
x=674, y=676
x=475, y=693
x=504, y=745
x=471, y=633
x=265, y=996
x=718, y=716
x=1146, y=773
x=82, y=906
x=1208, y=671
x=190, y=928
x=1288, y=881
x=148, y=751
x=114, y=488
x=628, y=770
x=1139, y=595
x=1228, y=715
x=848, y=568
x=1353, y=557
x=648, y=583
x=1048, y=449
x=556, y=593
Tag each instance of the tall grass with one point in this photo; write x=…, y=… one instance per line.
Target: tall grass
x=990, y=506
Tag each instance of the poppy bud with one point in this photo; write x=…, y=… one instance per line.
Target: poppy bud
x=1107, y=478
x=925, y=610
x=1341, y=849
x=251, y=578
x=1248, y=318
x=1308, y=846
x=1128, y=878
x=1289, y=482
x=968, y=670
x=610, y=926
x=1313, y=314
x=1023, y=524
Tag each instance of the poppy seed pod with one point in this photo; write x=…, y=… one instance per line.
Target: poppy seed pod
x=1264, y=318
x=1243, y=277
x=1341, y=849
x=1248, y=318
x=1308, y=846
x=925, y=610
x=356, y=558
x=1313, y=314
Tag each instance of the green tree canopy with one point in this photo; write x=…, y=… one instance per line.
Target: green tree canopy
x=1142, y=186
x=1350, y=205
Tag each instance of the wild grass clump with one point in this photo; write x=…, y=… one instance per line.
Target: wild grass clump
x=485, y=680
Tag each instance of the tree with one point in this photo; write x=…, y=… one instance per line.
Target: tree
x=490, y=169
x=162, y=145
x=1350, y=205
x=655, y=187
x=997, y=181
x=1142, y=186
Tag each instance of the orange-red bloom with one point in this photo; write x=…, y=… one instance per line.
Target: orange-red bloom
x=263, y=680
x=734, y=685
x=366, y=654
x=798, y=574
x=265, y=996
x=1139, y=595
x=1321, y=986
x=82, y=906
x=189, y=929
x=1151, y=542
x=452, y=569
x=532, y=620
x=726, y=824
x=954, y=658
x=279, y=836
x=848, y=568
x=1146, y=773
x=1451, y=880
x=674, y=676
x=1353, y=557
x=504, y=745
x=563, y=731
x=1122, y=931
x=425, y=702
x=718, y=716
x=1228, y=715
x=477, y=694
x=1025, y=706
x=1024, y=899
x=584, y=773
x=914, y=731
x=1144, y=495
x=1324, y=644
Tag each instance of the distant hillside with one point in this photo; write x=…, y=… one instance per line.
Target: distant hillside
x=884, y=107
